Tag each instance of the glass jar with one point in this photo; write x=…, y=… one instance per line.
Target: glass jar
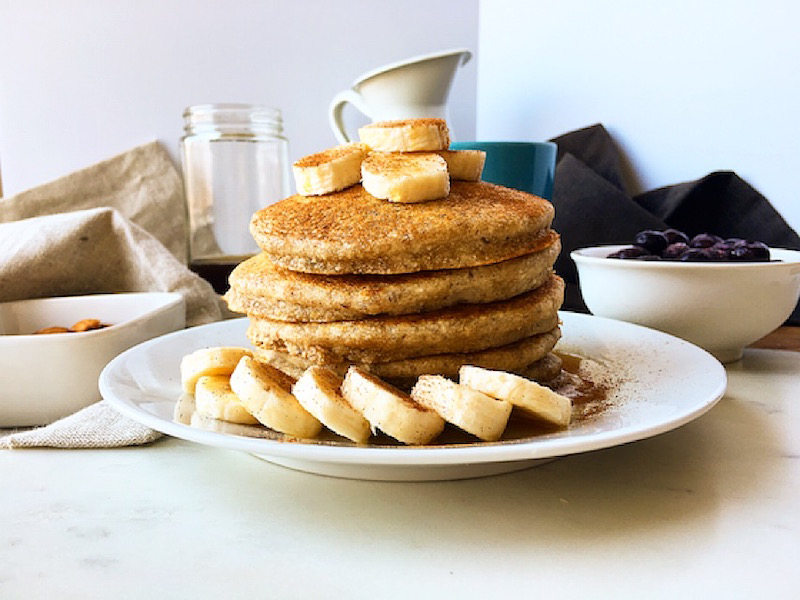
x=235, y=161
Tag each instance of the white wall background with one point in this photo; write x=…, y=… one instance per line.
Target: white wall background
x=82, y=80
x=685, y=87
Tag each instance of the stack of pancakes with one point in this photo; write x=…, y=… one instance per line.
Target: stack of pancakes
x=403, y=290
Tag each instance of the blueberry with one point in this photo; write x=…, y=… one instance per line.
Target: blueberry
x=721, y=251
x=653, y=241
x=741, y=253
x=760, y=251
x=674, y=236
x=695, y=255
x=704, y=240
x=718, y=252
x=629, y=252
x=750, y=252
x=675, y=250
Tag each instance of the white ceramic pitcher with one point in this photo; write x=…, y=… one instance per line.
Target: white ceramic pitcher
x=412, y=88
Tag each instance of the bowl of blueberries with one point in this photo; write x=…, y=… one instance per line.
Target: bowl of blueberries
x=719, y=294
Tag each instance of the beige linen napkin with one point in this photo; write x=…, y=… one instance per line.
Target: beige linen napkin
x=96, y=426
x=142, y=184
x=92, y=251
x=117, y=226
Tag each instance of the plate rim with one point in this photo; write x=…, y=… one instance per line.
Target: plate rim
x=435, y=456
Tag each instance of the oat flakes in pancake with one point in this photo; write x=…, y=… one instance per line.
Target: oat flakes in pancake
x=349, y=231
x=259, y=288
x=528, y=356
x=463, y=328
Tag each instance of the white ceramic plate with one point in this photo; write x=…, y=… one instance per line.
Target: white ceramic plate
x=662, y=383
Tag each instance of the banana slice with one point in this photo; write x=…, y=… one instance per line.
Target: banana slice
x=266, y=394
x=318, y=391
x=474, y=412
x=213, y=397
x=218, y=360
x=531, y=398
x=407, y=135
x=330, y=170
x=184, y=409
x=293, y=366
x=389, y=409
x=405, y=177
x=464, y=165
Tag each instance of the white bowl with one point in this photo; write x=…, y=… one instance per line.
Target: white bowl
x=720, y=306
x=45, y=377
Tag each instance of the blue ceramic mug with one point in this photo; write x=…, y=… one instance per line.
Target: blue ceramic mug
x=526, y=166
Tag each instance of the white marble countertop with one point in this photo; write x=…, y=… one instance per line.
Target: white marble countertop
x=710, y=510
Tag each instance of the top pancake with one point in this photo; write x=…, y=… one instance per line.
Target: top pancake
x=350, y=231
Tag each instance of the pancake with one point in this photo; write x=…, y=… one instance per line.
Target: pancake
x=350, y=231
x=458, y=329
x=530, y=357
x=259, y=288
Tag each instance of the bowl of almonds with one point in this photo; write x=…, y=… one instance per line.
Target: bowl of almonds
x=53, y=349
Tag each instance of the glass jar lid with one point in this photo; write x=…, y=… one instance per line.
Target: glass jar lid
x=233, y=119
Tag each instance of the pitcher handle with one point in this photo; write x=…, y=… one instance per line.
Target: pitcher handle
x=336, y=109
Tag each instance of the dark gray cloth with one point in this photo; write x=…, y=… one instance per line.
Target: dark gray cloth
x=594, y=208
